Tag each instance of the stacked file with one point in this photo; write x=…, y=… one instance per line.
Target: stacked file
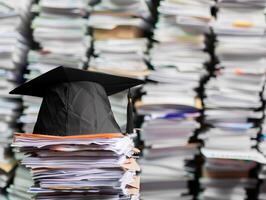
x=21, y=183
x=103, y=167
x=233, y=100
x=164, y=174
x=170, y=103
x=60, y=28
x=119, y=29
x=14, y=18
x=167, y=155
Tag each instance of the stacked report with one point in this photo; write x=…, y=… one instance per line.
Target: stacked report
x=14, y=19
x=233, y=102
x=119, y=30
x=21, y=183
x=60, y=28
x=171, y=104
x=95, y=166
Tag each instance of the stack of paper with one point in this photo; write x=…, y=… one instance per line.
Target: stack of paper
x=60, y=29
x=118, y=30
x=7, y=166
x=21, y=183
x=14, y=20
x=233, y=100
x=170, y=103
x=96, y=166
x=164, y=174
x=167, y=155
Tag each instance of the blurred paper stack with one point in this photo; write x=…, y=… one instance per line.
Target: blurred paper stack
x=60, y=32
x=171, y=104
x=60, y=28
x=21, y=184
x=233, y=102
x=103, y=167
x=119, y=30
x=14, y=20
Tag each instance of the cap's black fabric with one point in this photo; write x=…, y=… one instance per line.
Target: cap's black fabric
x=75, y=101
x=38, y=86
x=75, y=108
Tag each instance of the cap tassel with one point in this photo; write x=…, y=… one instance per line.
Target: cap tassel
x=130, y=120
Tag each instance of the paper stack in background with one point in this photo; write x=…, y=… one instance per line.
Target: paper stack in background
x=103, y=167
x=233, y=103
x=171, y=104
x=119, y=31
x=14, y=19
x=21, y=184
x=61, y=34
x=61, y=30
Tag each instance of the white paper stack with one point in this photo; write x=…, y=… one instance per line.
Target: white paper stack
x=61, y=30
x=170, y=102
x=21, y=183
x=14, y=21
x=119, y=29
x=164, y=174
x=95, y=166
x=167, y=155
x=233, y=100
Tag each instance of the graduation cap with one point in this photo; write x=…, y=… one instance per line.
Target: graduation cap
x=76, y=101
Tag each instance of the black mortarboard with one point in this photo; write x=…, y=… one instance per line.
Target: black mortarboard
x=75, y=101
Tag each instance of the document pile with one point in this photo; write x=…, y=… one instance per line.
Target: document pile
x=61, y=31
x=119, y=29
x=167, y=155
x=14, y=18
x=233, y=99
x=180, y=40
x=21, y=183
x=163, y=173
x=170, y=103
x=96, y=166
x=177, y=56
x=7, y=166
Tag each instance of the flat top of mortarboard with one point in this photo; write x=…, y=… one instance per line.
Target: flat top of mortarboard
x=39, y=85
